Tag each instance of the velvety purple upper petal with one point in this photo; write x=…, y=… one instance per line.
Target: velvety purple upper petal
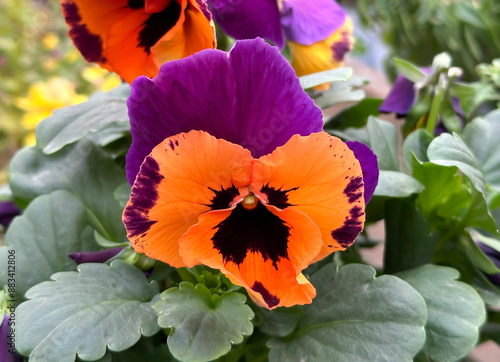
x=307, y=22
x=249, y=19
x=8, y=210
x=369, y=166
x=5, y=340
x=251, y=97
x=400, y=98
x=95, y=256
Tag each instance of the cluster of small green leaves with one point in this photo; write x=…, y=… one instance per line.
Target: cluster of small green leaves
x=468, y=30
x=73, y=186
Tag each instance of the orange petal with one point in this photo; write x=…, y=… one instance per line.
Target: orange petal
x=319, y=176
x=323, y=55
x=183, y=177
x=254, y=252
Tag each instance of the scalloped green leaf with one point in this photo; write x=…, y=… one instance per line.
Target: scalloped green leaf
x=82, y=313
x=52, y=227
x=356, y=316
x=481, y=135
x=396, y=184
x=448, y=150
x=416, y=143
x=383, y=138
x=104, y=115
x=334, y=75
x=203, y=325
x=455, y=310
x=83, y=169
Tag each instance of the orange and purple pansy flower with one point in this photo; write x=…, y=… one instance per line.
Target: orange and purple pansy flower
x=231, y=169
x=318, y=32
x=135, y=37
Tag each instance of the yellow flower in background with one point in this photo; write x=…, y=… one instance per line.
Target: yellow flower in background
x=50, y=41
x=100, y=78
x=42, y=99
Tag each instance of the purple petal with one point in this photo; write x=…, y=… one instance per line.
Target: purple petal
x=245, y=19
x=95, y=256
x=204, y=8
x=8, y=210
x=400, y=98
x=307, y=22
x=6, y=344
x=369, y=166
x=251, y=97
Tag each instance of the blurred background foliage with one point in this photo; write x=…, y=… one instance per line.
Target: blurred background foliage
x=40, y=71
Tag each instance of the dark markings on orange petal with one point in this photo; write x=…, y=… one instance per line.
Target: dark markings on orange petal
x=90, y=45
x=257, y=230
x=158, y=25
x=277, y=197
x=143, y=198
x=352, y=190
x=340, y=48
x=223, y=197
x=271, y=300
x=347, y=233
x=136, y=4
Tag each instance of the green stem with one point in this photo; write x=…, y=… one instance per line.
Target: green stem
x=435, y=105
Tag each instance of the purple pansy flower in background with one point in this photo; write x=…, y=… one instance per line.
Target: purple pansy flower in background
x=494, y=256
x=318, y=32
x=403, y=95
x=8, y=211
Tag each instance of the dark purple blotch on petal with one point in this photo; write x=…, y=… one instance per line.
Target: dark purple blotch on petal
x=223, y=198
x=270, y=299
x=347, y=233
x=340, y=48
x=7, y=340
x=494, y=256
x=143, y=198
x=95, y=256
x=8, y=211
x=369, y=166
x=277, y=197
x=256, y=231
x=400, y=98
x=252, y=98
x=352, y=190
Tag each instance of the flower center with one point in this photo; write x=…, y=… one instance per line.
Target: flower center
x=250, y=201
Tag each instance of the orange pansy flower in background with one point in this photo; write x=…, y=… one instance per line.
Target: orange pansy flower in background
x=230, y=169
x=135, y=37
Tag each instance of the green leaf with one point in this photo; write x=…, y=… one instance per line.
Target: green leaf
x=101, y=115
x=355, y=116
x=52, y=227
x=440, y=184
x=481, y=135
x=85, y=312
x=416, y=143
x=384, y=143
x=203, y=325
x=455, y=311
x=476, y=256
x=279, y=322
x=449, y=116
x=83, y=169
x=396, y=184
x=478, y=215
x=409, y=70
x=328, y=76
x=356, y=316
x=122, y=194
x=409, y=242
x=448, y=150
